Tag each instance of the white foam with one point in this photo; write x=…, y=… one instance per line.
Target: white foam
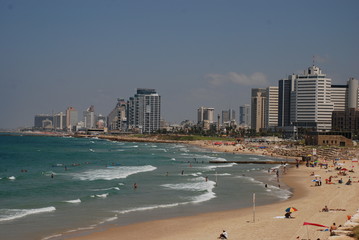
x=106, y=189
x=12, y=178
x=102, y=195
x=52, y=236
x=116, y=172
x=80, y=229
x=222, y=174
x=173, y=159
x=74, y=201
x=150, y=208
x=12, y=214
x=108, y=220
x=196, y=185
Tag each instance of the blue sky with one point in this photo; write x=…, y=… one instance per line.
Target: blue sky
x=55, y=54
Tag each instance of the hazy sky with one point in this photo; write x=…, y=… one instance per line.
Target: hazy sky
x=55, y=54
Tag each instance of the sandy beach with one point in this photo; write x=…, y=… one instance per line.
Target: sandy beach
x=341, y=199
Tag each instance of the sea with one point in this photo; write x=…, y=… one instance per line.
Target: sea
x=60, y=187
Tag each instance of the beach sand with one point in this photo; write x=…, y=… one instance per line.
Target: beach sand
x=307, y=198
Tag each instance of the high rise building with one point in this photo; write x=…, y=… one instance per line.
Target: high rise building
x=258, y=108
x=205, y=117
x=205, y=114
x=285, y=88
x=245, y=115
x=60, y=121
x=144, y=111
x=90, y=117
x=346, y=117
x=71, y=118
x=228, y=116
x=353, y=93
x=271, y=107
x=117, y=119
x=311, y=105
x=42, y=121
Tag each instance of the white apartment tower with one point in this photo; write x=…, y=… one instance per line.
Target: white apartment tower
x=271, y=107
x=311, y=105
x=144, y=110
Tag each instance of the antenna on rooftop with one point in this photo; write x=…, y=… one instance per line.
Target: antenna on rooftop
x=313, y=60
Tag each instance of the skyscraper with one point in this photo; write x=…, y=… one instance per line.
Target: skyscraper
x=311, y=105
x=258, y=108
x=245, y=115
x=144, y=110
x=90, y=117
x=60, y=121
x=205, y=117
x=228, y=116
x=117, y=119
x=71, y=118
x=271, y=107
x=205, y=114
x=285, y=89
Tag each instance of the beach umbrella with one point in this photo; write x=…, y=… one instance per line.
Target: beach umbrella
x=291, y=209
x=313, y=224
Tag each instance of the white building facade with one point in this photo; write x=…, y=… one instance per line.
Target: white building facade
x=271, y=107
x=311, y=100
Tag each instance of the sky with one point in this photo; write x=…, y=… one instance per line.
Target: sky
x=56, y=54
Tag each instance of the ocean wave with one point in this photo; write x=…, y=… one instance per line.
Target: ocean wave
x=204, y=197
x=106, y=189
x=12, y=214
x=250, y=179
x=11, y=178
x=279, y=192
x=222, y=174
x=108, y=220
x=81, y=229
x=196, y=184
x=74, y=201
x=150, y=207
x=105, y=195
x=52, y=236
x=116, y=172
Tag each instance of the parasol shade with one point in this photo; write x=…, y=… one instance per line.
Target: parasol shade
x=291, y=209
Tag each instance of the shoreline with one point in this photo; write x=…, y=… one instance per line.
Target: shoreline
x=239, y=222
x=307, y=198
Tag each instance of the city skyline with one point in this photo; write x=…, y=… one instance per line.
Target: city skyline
x=203, y=53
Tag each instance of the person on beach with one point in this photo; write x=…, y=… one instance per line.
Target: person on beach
x=349, y=182
x=325, y=209
x=332, y=228
x=223, y=235
x=135, y=186
x=288, y=215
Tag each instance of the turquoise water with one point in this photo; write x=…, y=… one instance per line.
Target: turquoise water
x=54, y=187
